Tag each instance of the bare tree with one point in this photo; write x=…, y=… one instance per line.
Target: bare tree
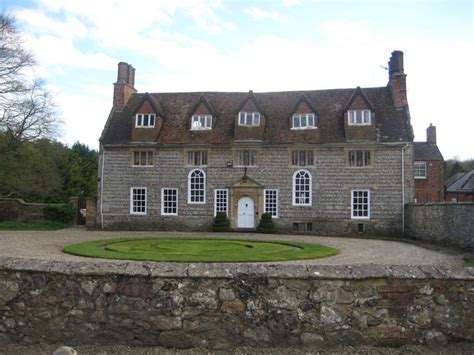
x=26, y=109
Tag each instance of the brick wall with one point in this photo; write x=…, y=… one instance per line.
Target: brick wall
x=431, y=189
x=332, y=182
x=15, y=209
x=451, y=224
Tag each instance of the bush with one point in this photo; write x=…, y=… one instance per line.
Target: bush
x=266, y=224
x=221, y=223
x=59, y=213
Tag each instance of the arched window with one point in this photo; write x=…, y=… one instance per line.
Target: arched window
x=197, y=186
x=302, y=188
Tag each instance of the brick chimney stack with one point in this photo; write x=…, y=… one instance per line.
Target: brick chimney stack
x=397, y=80
x=431, y=134
x=124, y=87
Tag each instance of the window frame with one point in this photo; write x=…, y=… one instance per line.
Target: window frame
x=420, y=162
x=190, y=202
x=368, y=204
x=255, y=118
x=207, y=120
x=364, y=156
x=298, y=156
x=236, y=156
x=299, y=116
x=142, y=115
x=140, y=152
x=132, y=200
x=226, y=202
x=293, y=197
x=163, y=213
x=265, y=210
x=187, y=152
x=349, y=117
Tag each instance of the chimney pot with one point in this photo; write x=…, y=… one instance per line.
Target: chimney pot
x=124, y=87
x=397, y=80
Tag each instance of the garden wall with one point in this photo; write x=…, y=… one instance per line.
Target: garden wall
x=444, y=223
x=220, y=306
x=15, y=209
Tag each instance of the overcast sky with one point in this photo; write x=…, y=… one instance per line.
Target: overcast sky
x=198, y=45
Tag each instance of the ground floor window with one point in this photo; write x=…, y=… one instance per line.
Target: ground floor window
x=169, y=201
x=221, y=198
x=360, y=207
x=271, y=202
x=138, y=200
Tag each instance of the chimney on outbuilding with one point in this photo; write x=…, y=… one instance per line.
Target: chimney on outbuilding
x=431, y=134
x=397, y=80
x=124, y=87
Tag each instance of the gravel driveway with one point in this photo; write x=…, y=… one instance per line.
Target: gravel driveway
x=49, y=244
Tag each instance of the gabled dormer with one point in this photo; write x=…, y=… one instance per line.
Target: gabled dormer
x=359, y=117
x=202, y=116
x=249, y=119
x=305, y=115
x=147, y=119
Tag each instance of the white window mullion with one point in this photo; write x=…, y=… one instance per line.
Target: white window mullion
x=221, y=201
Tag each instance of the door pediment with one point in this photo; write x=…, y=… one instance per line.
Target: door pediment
x=246, y=182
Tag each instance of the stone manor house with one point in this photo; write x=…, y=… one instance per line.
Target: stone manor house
x=320, y=161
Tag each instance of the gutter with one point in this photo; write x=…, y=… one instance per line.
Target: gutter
x=102, y=188
x=403, y=187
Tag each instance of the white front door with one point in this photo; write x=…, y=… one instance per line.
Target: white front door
x=246, y=213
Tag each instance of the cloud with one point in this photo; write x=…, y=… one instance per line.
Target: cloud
x=291, y=3
x=260, y=14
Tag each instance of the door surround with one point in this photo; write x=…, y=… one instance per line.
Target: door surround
x=245, y=187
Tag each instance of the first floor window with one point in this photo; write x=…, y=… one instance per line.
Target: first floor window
x=303, y=121
x=221, y=198
x=359, y=117
x=138, y=200
x=143, y=158
x=302, y=158
x=249, y=118
x=360, y=208
x=197, y=157
x=359, y=158
x=169, y=201
x=246, y=157
x=271, y=202
x=145, y=120
x=420, y=169
x=197, y=186
x=201, y=122
x=302, y=188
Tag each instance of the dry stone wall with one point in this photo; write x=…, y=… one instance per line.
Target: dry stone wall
x=221, y=306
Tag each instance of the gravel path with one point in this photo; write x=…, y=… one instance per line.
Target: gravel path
x=48, y=245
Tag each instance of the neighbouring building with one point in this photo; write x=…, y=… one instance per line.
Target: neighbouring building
x=334, y=161
x=428, y=169
x=460, y=187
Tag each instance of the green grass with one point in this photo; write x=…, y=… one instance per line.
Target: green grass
x=199, y=250
x=39, y=225
x=469, y=261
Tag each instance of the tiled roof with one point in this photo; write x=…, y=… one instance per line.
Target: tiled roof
x=426, y=151
x=464, y=184
x=392, y=125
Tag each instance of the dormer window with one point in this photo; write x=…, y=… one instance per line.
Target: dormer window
x=201, y=122
x=145, y=120
x=249, y=118
x=303, y=121
x=359, y=117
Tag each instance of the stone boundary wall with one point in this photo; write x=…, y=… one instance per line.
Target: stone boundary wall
x=15, y=209
x=221, y=306
x=445, y=223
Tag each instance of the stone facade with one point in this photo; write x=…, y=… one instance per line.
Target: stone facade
x=448, y=223
x=224, y=306
x=332, y=182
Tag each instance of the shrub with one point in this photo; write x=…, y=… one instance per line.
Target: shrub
x=266, y=224
x=221, y=223
x=59, y=213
